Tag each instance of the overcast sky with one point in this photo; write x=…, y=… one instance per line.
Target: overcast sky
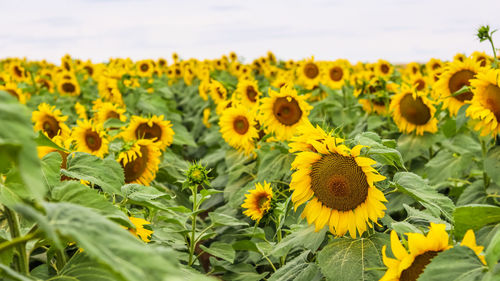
x=396, y=30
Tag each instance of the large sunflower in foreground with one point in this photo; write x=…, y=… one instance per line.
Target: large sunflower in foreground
x=238, y=128
x=90, y=138
x=456, y=75
x=248, y=92
x=140, y=162
x=50, y=121
x=413, y=111
x=407, y=266
x=153, y=128
x=258, y=201
x=338, y=183
x=485, y=105
x=282, y=112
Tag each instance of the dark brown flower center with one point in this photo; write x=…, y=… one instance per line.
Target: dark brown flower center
x=311, y=70
x=50, y=126
x=418, y=265
x=262, y=199
x=492, y=97
x=420, y=84
x=18, y=72
x=414, y=110
x=482, y=61
x=457, y=81
x=336, y=73
x=241, y=125
x=68, y=87
x=436, y=66
x=251, y=94
x=384, y=68
x=144, y=131
x=89, y=70
x=144, y=67
x=93, y=140
x=134, y=169
x=338, y=182
x=112, y=114
x=287, y=112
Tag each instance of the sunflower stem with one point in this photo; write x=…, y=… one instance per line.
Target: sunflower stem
x=495, y=59
x=484, y=150
x=192, y=242
x=22, y=262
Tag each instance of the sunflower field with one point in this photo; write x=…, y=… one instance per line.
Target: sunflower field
x=189, y=169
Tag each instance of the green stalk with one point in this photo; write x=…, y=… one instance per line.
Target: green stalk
x=192, y=242
x=22, y=263
x=484, y=150
x=495, y=60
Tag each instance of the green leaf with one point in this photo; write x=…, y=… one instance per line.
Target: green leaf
x=182, y=136
x=74, y=192
x=145, y=196
x=51, y=169
x=412, y=145
x=113, y=123
x=492, y=164
x=350, y=259
x=474, y=217
x=42, y=140
x=445, y=165
x=292, y=268
x=106, y=173
x=300, y=236
x=80, y=267
x=223, y=219
x=459, y=263
x=493, y=251
x=418, y=189
x=105, y=242
x=221, y=250
x=17, y=145
x=14, y=275
x=473, y=194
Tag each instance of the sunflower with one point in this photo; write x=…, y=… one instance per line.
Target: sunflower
x=106, y=110
x=204, y=88
x=455, y=76
x=282, y=112
x=145, y=68
x=248, y=93
x=258, y=201
x=69, y=87
x=140, y=231
x=433, y=65
x=407, y=266
x=14, y=91
x=413, y=68
x=140, y=162
x=238, y=128
x=90, y=138
x=334, y=75
x=308, y=74
x=338, y=183
x=482, y=58
x=217, y=91
x=420, y=82
x=459, y=57
x=383, y=68
x=50, y=121
x=153, y=128
x=18, y=71
x=485, y=105
x=108, y=90
x=413, y=111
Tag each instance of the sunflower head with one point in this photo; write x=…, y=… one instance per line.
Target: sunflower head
x=153, y=128
x=485, y=105
x=334, y=74
x=14, y=91
x=258, y=201
x=413, y=111
x=383, y=68
x=282, y=112
x=248, y=92
x=339, y=185
x=68, y=87
x=90, y=138
x=197, y=175
x=145, y=68
x=308, y=73
x=239, y=128
x=140, y=161
x=50, y=121
x=107, y=110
